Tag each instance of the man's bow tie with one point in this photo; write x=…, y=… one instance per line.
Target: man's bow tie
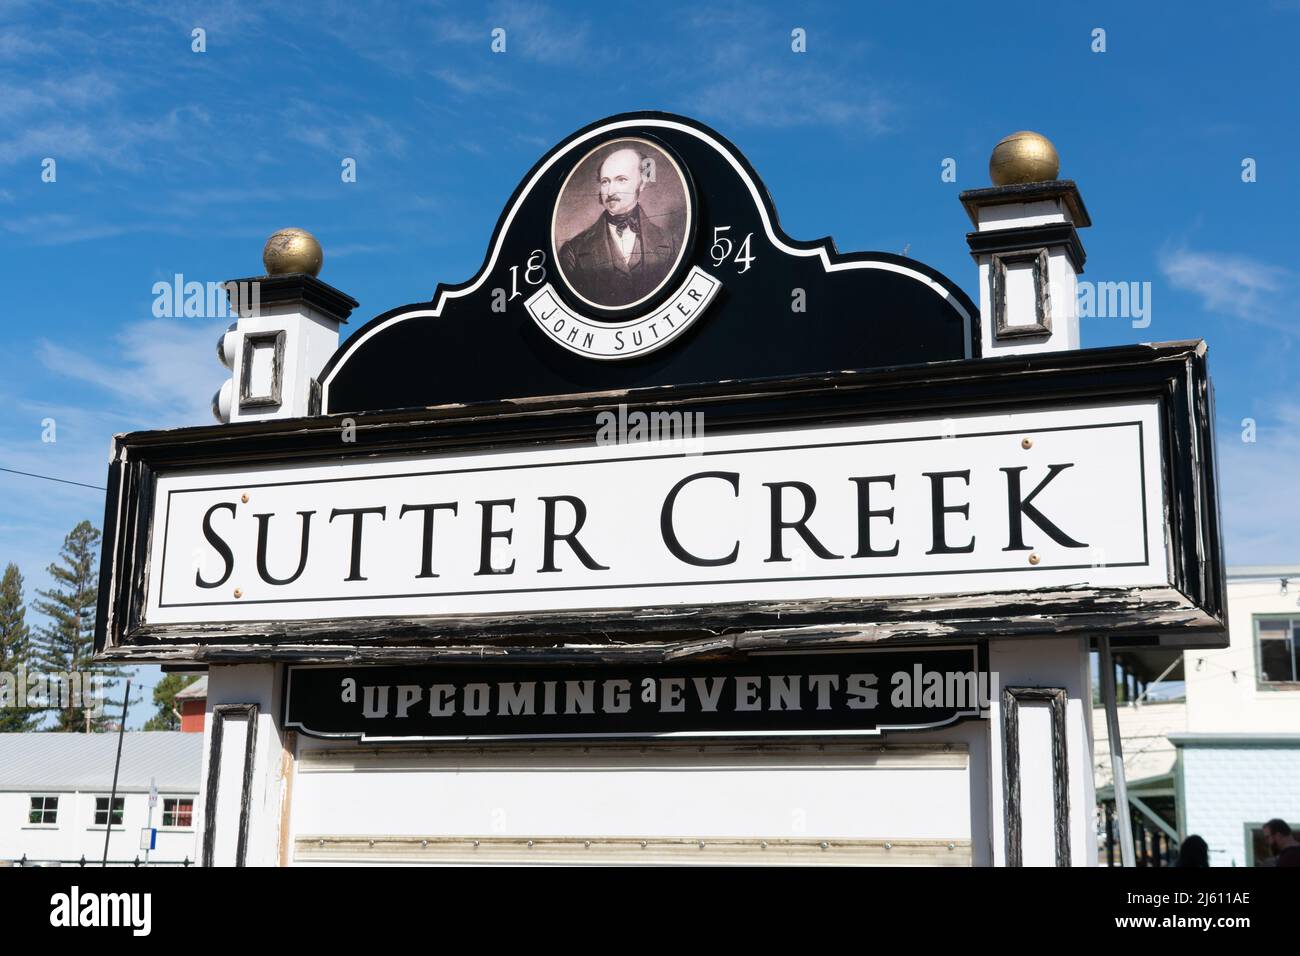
x=630, y=221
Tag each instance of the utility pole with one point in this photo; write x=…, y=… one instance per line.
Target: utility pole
x=1107, y=667
x=112, y=799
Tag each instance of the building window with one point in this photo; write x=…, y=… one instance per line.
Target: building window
x=101, y=811
x=178, y=812
x=45, y=811
x=1278, y=640
x=1258, y=852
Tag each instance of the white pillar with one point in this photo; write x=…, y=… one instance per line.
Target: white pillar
x=1026, y=243
x=1050, y=769
x=247, y=766
x=288, y=328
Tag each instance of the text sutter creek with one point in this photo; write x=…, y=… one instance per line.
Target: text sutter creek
x=563, y=516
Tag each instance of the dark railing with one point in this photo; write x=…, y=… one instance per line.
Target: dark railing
x=1151, y=846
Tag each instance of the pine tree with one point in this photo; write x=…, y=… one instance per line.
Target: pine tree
x=15, y=651
x=67, y=643
x=164, y=697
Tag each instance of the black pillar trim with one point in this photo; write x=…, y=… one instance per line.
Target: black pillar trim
x=1022, y=238
x=1064, y=190
x=299, y=287
x=253, y=341
x=1038, y=260
x=1012, y=698
x=219, y=714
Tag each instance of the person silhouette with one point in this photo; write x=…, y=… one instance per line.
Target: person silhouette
x=1193, y=852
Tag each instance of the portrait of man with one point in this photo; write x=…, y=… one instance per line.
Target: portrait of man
x=629, y=250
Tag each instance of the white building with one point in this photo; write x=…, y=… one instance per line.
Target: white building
x=55, y=790
x=1238, y=761
x=1149, y=765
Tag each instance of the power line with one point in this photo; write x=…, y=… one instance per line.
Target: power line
x=63, y=481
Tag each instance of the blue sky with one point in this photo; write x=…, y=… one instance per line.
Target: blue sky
x=171, y=161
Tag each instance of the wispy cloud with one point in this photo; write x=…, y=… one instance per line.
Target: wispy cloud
x=163, y=373
x=479, y=81
x=17, y=46
x=107, y=140
x=786, y=97
x=1232, y=284
x=545, y=35
x=534, y=31
x=220, y=17
x=77, y=92
x=1261, y=512
x=56, y=229
x=237, y=200
x=456, y=30
x=344, y=134
x=345, y=249
x=381, y=36
x=748, y=74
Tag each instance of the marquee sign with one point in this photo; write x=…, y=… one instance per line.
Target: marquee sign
x=835, y=693
x=841, y=467
x=1062, y=493
x=1034, y=499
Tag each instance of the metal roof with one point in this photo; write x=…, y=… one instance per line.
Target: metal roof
x=1230, y=739
x=198, y=689
x=1246, y=572
x=62, y=762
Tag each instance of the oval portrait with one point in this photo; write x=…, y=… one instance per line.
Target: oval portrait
x=622, y=224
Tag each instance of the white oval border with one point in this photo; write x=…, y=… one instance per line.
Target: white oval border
x=661, y=311
x=681, y=251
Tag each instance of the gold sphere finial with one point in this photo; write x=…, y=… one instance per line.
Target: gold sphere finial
x=1023, y=157
x=292, y=250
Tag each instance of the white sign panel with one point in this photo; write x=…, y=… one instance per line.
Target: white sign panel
x=975, y=503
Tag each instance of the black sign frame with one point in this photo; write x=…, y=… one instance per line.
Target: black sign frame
x=1189, y=611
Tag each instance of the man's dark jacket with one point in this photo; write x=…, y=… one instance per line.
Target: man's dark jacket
x=596, y=270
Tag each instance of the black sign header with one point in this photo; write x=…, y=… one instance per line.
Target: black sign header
x=771, y=694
